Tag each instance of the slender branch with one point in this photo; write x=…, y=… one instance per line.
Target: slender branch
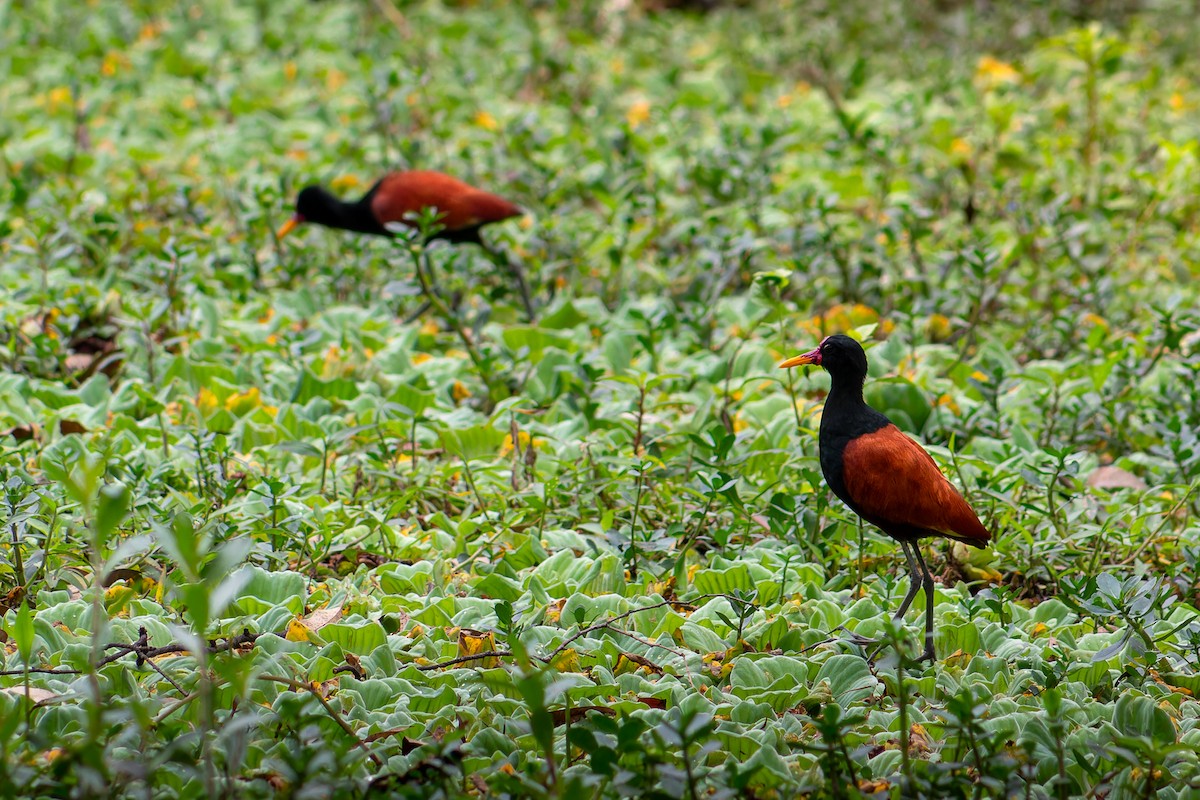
x=297, y=686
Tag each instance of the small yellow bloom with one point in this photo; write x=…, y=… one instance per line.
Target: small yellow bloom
x=334, y=79
x=638, y=113
x=979, y=376
x=289, y=71
x=1176, y=102
x=343, y=182
x=58, y=97
x=459, y=391
x=507, y=446
x=429, y=328
x=113, y=61
x=206, y=401
x=486, y=121
x=420, y=358
x=948, y=402
x=961, y=148
x=188, y=103
x=1095, y=319
x=992, y=72
x=297, y=154
x=937, y=328
x=150, y=31
x=243, y=402
x=784, y=100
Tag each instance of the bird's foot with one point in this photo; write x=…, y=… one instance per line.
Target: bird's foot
x=855, y=638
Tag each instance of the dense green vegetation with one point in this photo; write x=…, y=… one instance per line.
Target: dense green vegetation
x=263, y=533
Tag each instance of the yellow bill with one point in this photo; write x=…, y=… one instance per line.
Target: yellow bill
x=289, y=226
x=813, y=357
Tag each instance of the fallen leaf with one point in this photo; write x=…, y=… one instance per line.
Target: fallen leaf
x=1115, y=478
x=34, y=693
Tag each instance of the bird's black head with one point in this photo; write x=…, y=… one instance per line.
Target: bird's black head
x=842, y=357
x=316, y=204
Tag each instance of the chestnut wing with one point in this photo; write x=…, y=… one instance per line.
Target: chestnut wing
x=897, y=485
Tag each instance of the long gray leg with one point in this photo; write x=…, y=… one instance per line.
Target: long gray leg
x=914, y=586
x=928, y=581
x=914, y=575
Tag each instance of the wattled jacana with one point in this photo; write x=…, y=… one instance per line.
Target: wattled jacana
x=884, y=476
x=462, y=208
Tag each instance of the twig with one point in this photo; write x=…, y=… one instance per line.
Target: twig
x=474, y=657
x=419, y=255
x=297, y=686
x=606, y=623
x=395, y=17
x=145, y=653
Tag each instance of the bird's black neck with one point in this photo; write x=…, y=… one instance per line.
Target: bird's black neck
x=359, y=217
x=846, y=416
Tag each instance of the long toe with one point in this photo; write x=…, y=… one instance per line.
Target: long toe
x=854, y=638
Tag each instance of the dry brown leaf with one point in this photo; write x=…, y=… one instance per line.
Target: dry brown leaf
x=322, y=617
x=1115, y=478
x=35, y=694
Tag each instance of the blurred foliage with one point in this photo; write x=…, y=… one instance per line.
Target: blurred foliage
x=264, y=533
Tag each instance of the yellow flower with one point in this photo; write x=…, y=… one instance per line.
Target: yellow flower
x=948, y=402
x=937, y=327
x=961, y=148
x=638, y=113
x=459, y=391
x=343, y=182
x=334, y=79
x=507, y=446
x=113, y=61
x=420, y=358
x=289, y=71
x=429, y=328
x=1096, y=319
x=979, y=376
x=1176, y=102
x=739, y=424
x=486, y=121
x=243, y=402
x=993, y=72
x=784, y=100
x=58, y=97
x=206, y=401
x=150, y=31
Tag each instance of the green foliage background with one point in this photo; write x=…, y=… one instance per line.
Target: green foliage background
x=262, y=534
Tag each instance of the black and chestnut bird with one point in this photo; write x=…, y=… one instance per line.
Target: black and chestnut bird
x=883, y=475
x=398, y=196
